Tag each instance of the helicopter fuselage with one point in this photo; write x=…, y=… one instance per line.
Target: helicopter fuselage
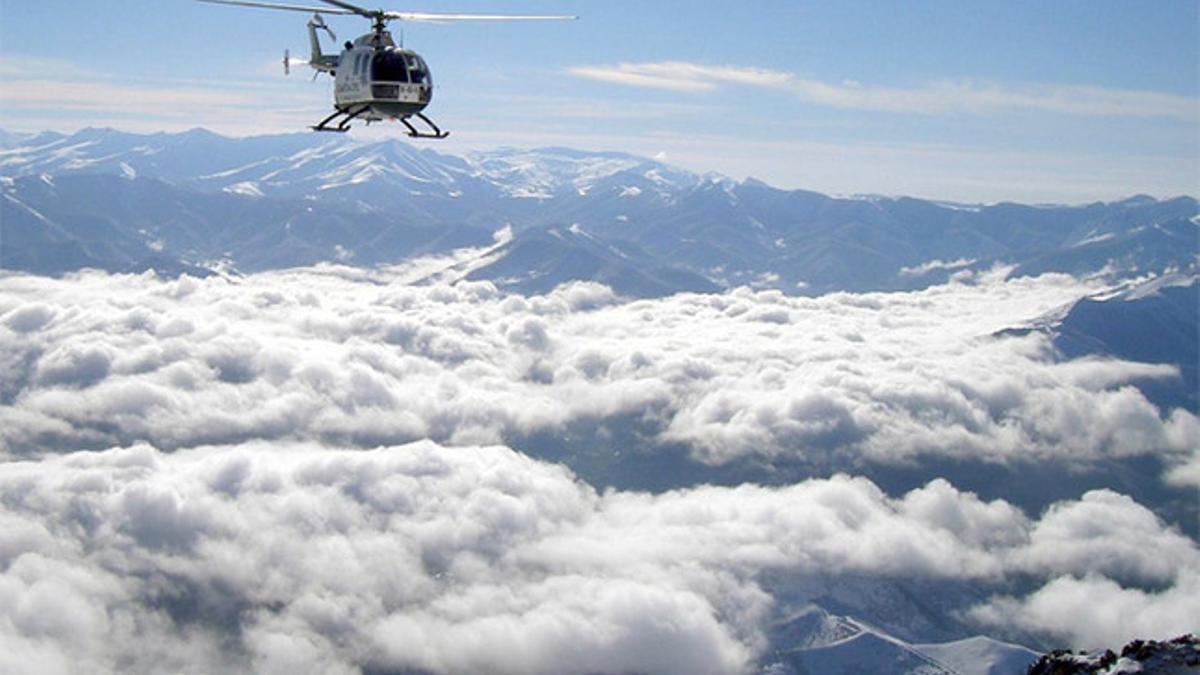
x=394, y=82
x=375, y=80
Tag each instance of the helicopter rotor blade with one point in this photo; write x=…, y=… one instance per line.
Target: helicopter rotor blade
x=274, y=5
x=371, y=13
x=342, y=7
x=435, y=18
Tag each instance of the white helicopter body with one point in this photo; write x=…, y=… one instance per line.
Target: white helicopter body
x=374, y=79
x=393, y=82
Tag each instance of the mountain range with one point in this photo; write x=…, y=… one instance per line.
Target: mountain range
x=528, y=220
x=193, y=201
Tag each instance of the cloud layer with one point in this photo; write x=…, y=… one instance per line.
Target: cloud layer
x=351, y=358
x=263, y=510
x=288, y=557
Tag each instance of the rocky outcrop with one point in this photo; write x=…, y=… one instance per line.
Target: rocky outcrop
x=1174, y=657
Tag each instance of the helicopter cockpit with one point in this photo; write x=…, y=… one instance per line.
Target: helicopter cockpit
x=399, y=66
x=377, y=80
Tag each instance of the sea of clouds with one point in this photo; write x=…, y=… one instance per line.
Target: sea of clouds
x=310, y=471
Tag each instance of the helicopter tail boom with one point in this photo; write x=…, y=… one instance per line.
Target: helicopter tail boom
x=317, y=59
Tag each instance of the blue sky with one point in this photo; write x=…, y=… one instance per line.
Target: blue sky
x=1067, y=101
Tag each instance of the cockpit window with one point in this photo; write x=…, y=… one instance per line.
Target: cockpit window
x=416, y=65
x=389, y=67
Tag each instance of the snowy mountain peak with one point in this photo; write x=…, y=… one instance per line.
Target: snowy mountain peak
x=302, y=198
x=307, y=165
x=813, y=640
x=546, y=172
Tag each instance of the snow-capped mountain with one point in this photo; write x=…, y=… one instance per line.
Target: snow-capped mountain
x=335, y=168
x=1148, y=321
x=980, y=655
x=813, y=640
x=1152, y=322
x=127, y=201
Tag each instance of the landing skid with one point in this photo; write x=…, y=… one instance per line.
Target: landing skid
x=348, y=114
x=343, y=125
x=412, y=131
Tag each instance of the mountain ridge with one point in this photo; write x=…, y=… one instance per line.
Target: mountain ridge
x=10, y=140
x=288, y=200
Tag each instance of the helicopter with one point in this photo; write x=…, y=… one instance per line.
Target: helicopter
x=374, y=79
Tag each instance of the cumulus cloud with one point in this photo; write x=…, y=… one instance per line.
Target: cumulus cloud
x=1187, y=473
x=1108, y=534
x=358, y=358
x=277, y=556
x=1114, y=614
x=267, y=508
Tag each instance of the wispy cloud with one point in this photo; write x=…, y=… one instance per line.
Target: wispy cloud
x=934, y=265
x=934, y=98
x=40, y=92
x=681, y=76
x=108, y=96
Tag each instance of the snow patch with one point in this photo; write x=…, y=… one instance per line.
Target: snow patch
x=247, y=188
x=1093, y=238
x=980, y=655
x=236, y=170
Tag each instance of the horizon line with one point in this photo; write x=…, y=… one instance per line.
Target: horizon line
x=852, y=196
